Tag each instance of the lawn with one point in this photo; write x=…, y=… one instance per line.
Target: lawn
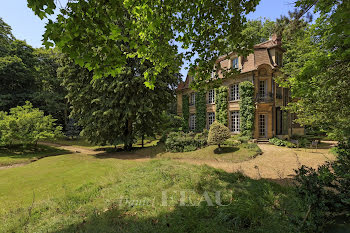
x=235, y=154
x=84, y=193
x=16, y=154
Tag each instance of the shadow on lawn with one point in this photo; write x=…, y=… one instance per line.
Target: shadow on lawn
x=135, y=154
x=20, y=151
x=224, y=150
x=245, y=212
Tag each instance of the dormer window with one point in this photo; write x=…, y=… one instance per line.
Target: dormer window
x=235, y=63
x=278, y=58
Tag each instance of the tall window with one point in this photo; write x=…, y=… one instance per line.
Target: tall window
x=235, y=121
x=211, y=118
x=193, y=122
x=211, y=96
x=234, y=94
x=262, y=125
x=192, y=99
x=235, y=63
x=262, y=90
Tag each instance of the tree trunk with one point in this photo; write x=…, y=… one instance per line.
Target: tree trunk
x=128, y=135
x=219, y=146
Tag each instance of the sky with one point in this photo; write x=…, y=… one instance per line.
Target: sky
x=27, y=26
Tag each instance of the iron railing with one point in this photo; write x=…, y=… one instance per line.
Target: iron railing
x=264, y=98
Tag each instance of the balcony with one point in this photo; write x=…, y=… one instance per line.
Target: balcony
x=264, y=98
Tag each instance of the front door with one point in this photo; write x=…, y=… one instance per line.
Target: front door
x=262, y=126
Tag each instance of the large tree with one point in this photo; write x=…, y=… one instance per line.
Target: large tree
x=317, y=66
x=115, y=110
x=93, y=32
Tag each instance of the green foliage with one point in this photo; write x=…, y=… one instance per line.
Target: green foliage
x=221, y=104
x=246, y=108
x=184, y=142
x=116, y=110
x=25, y=124
x=72, y=130
x=201, y=111
x=326, y=190
x=280, y=142
x=316, y=68
x=243, y=139
x=185, y=113
x=218, y=134
x=128, y=29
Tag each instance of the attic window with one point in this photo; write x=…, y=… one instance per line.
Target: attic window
x=235, y=63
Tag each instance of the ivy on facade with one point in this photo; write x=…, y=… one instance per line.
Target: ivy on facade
x=221, y=105
x=201, y=109
x=185, y=112
x=247, y=108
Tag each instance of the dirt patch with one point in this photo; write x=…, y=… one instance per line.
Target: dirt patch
x=275, y=163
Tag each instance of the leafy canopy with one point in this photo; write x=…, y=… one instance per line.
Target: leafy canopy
x=102, y=35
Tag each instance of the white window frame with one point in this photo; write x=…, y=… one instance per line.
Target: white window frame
x=235, y=122
x=192, y=121
x=235, y=63
x=211, y=118
x=211, y=96
x=234, y=92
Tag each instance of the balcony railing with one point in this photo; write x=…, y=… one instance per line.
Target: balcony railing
x=264, y=98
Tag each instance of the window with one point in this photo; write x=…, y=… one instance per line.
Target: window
x=235, y=121
x=262, y=90
x=192, y=99
x=211, y=96
x=235, y=63
x=262, y=125
x=193, y=122
x=278, y=58
x=211, y=118
x=234, y=94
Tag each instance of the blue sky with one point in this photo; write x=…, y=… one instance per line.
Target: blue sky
x=26, y=26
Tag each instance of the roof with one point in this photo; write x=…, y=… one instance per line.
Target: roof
x=252, y=61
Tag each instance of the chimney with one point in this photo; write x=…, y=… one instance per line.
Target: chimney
x=276, y=38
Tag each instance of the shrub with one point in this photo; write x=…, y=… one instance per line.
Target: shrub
x=325, y=191
x=218, y=134
x=243, y=139
x=232, y=142
x=25, y=124
x=280, y=142
x=184, y=142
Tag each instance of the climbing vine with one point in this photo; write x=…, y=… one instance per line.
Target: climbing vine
x=185, y=112
x=201, y=109
x=221, y=105
x=247, y=107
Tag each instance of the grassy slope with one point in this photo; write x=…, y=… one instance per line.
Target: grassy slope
x=19, y=154
x=232, y=154
x=82, y=193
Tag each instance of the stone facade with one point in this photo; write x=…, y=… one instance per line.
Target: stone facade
x=261, y=68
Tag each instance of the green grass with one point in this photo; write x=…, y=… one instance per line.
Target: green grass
x=238, y=153
x=16, y=154
x=82, y=193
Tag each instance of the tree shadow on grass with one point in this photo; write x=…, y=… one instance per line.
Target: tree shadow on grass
x=246, y=212
x=20, y=151
x=134, y=154
x=225, y=150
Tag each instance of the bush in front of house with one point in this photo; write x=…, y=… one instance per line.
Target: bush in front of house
x=280, y=142
x=185, y=142
x=218, y=134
